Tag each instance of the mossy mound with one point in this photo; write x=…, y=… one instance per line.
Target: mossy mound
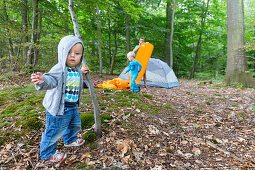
x=89, y=137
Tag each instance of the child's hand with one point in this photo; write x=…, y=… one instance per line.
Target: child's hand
x=37, y=79
x=85, y=69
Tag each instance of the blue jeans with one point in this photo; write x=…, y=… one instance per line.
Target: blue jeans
x=133, y=85
x=67, y=125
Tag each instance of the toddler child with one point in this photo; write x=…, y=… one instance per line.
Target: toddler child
x=64, y=85
x=135, y=68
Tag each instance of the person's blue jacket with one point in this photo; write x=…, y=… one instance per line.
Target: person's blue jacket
x=134, y=66
x=55, y=79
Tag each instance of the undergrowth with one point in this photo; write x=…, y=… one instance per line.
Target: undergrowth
x=21, y=109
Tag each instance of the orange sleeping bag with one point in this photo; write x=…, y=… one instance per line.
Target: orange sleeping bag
x=116, y=83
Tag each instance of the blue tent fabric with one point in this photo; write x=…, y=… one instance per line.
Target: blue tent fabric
x=158, y=74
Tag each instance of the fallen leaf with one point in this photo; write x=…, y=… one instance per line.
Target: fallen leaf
x=71, y=160
x=196, y=151
x=125, y=147
x=8, y=146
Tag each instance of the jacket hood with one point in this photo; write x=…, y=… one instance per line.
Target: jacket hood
x=64, y=47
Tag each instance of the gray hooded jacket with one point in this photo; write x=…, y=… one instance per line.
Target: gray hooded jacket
x=55, y=79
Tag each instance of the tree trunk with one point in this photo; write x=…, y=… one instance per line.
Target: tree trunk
x=236, y=60
x=167, y=34
x=171, y=36
x=6, y=18
x=109, y=41
x=24, y=28
x=32, y=49
x=99, y=42
x=115, y=50
x=98, y=130
x=199, y=41
x=191, y=32
x=127, y=34
x=38, y=35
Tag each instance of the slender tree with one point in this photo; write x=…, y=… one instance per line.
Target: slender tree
x=167, y=33
x=7, y=24
x=199, y=42
x=127, y=32
x=171, y=35
x=99, y=40
x=236, y=61
x=98, y=129
x=115, y=49
x=32, y=51
x=24, y=15
x=191, y=32
x=109, y=38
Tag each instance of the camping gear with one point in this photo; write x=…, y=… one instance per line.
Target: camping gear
x=116, y=83
x=158, y=74
x=143, y=56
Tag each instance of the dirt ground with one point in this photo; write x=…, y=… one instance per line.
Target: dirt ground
x=205, y=126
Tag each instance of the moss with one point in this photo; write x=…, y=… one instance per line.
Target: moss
x=147, y=96
x=168, y=107
x=7, y=112
x=169, y=150
x=6, y=124
x=214, y=141
x=105, y=90
x=218, y=125
x=93, y=146
x=104, y=117
x=89, y=137
x=32, y=123
x=107, y=98
x=234, y=105
x=189, y=93
x=34, y=100
x=81, y=166
x=6, y=136
x=87, y=120
x=128, y=126
x=200, y=111
x=217, y=95
x=29, y=114
x=2, y=100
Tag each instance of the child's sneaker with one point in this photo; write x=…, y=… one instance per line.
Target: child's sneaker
x=57, y=157
x=78, y=142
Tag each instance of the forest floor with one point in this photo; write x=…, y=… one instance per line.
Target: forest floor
x=198, y=125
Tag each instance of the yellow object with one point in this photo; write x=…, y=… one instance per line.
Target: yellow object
x=143, y=56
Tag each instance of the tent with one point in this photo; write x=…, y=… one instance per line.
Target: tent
x=158, y=74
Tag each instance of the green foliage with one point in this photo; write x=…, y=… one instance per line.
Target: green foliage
x=146, y=19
